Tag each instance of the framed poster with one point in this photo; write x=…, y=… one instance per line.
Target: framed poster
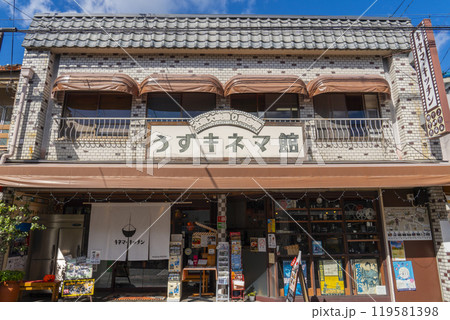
x=398, y=250
x=317, y=248
x=407, y=223
x=404, y=276
x=331, y=277
x=366, y=275
x=75, y=288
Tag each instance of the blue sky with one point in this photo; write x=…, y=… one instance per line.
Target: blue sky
x=416, y=10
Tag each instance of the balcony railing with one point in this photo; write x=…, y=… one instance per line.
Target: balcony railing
x=324, y=132
x=361, y=131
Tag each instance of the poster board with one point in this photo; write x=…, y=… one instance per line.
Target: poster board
x=407, y=223
x=76, y=271
x=404, y=276
x=287, y=268
x=331, y=277
x=76, y=288
x=398, y=250
x=366, y=276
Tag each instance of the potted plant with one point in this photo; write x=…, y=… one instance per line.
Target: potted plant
x=252, y=296
x=9, y=285
x=15, y=223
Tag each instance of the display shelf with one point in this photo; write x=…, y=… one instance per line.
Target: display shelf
x=366, y=255
x=326, y=233
x=360, y=220
x=291, y=221
x=293, y=209
x=325, y=209
x=362, y=240
x=321, y=221
x=361, y=233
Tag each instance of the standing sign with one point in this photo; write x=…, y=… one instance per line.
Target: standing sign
x=296, y=263
x=431, y=84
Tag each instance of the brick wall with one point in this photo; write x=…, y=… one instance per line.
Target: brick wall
x=408, y=110
x=438, y=212
x=223, y=67
x=36, y=102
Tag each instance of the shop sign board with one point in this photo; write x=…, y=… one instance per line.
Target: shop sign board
x=219, y=140
x=431, y=85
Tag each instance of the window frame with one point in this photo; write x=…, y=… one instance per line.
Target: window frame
x=98, y=94
x=345, y=95
x=181, y=97
x=261, y=105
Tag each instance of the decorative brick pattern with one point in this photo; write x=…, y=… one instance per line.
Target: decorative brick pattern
x=438, y=212
x=408, y=109
x=223, y=67
x=36, y=102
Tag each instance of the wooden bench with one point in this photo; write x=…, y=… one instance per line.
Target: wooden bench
x=41, y=285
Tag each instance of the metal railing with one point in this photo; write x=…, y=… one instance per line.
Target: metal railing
x=344, y=131
x=94, y=128
x=324, y=132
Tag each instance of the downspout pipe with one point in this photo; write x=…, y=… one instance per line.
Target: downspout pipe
x=28, y=74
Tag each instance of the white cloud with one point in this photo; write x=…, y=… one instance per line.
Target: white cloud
x=153, y=6
x=442, y=39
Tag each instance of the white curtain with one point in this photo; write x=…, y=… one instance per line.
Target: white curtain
x=151, y=222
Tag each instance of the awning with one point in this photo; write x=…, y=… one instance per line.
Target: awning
x=347, y=84
x=265, y=84
x=94, y=82
x=181, y=83
x=224, y=177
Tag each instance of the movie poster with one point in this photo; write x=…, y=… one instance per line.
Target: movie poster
x=331, y=277
x=366, y=276
x=287, y=274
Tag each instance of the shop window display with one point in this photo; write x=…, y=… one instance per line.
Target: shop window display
x=343, y=256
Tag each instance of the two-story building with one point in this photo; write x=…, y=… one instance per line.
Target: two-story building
x=299, y=132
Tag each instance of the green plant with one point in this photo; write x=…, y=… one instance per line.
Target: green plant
x=253, y=293
x=9, y=275
x=11, y=217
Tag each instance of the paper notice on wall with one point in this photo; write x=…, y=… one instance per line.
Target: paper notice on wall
x=445, y=229
x=261, y=244
x=114, y=227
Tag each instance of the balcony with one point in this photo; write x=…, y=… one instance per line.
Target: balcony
x=331, y=139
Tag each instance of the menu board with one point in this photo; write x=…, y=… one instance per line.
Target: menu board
x=76, y=271
x=407, y=223
x=331, y=277
x=74, y=288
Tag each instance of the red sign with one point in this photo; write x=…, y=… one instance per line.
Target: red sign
x=221, y=219
x=431, y=84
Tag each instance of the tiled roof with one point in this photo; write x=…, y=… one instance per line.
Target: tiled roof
x=217, y=32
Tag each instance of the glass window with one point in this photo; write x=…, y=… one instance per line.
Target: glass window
x=269, y=105
x=340, y=105
x=161, y=105
x=93, y=105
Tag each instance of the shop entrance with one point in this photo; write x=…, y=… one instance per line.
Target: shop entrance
x=249, y=217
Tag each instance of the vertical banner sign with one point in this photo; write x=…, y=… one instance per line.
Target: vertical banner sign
x=293, y=279
x=429, y=76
